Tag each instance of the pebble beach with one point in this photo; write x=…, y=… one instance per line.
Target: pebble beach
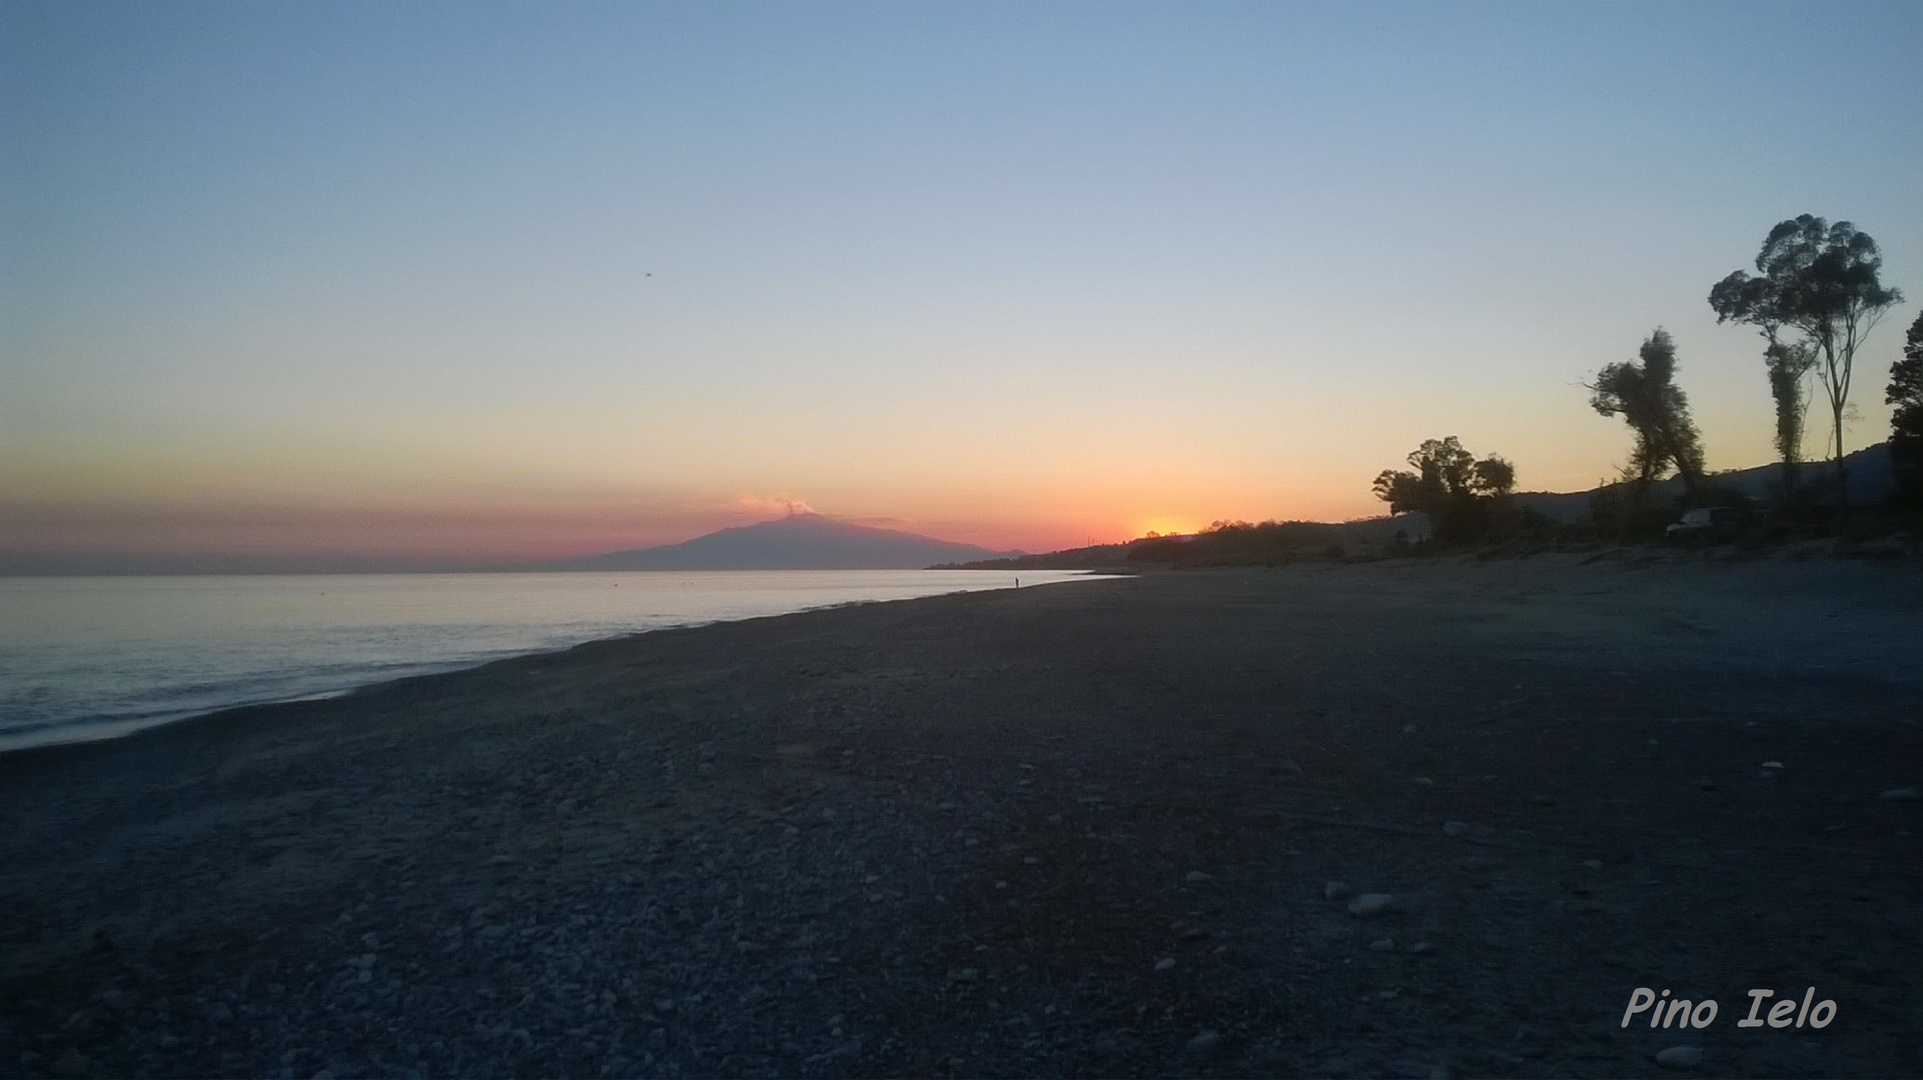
x=1414, y=818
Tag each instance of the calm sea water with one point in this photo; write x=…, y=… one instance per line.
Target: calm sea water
x=88, y=658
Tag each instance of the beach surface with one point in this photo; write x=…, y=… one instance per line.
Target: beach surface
x=1108, y=829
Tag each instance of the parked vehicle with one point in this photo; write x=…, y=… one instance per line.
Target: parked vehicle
x=1709, y=524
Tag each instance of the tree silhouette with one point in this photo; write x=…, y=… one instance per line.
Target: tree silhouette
x=1788, y=363
x=1906, y=421
x=1758, y=301
x=1456, y=490
x=1823, y=280
x=1656, y=409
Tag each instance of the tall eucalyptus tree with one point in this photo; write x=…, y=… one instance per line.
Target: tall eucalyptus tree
x=1823, y=280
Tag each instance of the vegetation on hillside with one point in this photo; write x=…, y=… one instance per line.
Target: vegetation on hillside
x=1822, y=281
x=1466, y=498
x=1906, y=421
x=1817, y=292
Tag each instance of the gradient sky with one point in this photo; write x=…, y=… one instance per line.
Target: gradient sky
x=384, y=284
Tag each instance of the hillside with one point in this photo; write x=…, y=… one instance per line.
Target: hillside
x=795, y=542
x=1871, y=479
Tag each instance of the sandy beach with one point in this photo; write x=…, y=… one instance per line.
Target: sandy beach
x=1105, y=829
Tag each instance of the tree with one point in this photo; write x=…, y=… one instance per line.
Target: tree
x=1759, y=302
x=1823, y=280
x=1788, y=363
x=1457, y=491
x=1906, y=421
x=1656, y=409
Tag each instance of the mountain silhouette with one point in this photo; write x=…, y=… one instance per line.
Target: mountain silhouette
x=795, y=542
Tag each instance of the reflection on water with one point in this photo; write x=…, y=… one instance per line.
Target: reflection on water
x=84, y=658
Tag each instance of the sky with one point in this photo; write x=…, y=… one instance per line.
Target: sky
x=341, y=285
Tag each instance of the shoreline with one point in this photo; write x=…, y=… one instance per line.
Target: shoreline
x=1086, y=832
x=123, y=725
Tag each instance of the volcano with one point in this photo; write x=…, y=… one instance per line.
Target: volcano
x=796, y=542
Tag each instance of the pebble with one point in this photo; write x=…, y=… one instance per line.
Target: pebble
x=1383, y=945
x=1166, y=963
x=1335, y=890
x=1370, y=904
x=1421, y=948
x=1205, y=1043
x=1197, y=877
x=1901, y=794
x=1680, y=1057
x=1454, y=828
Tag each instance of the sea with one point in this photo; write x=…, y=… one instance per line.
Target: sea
x=94, y=657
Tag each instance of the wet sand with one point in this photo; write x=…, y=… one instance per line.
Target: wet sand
x=1078, y=830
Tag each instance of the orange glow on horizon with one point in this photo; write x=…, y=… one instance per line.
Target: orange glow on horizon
x=1163, y=525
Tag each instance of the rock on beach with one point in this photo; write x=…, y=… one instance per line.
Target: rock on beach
x=1371, y=905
